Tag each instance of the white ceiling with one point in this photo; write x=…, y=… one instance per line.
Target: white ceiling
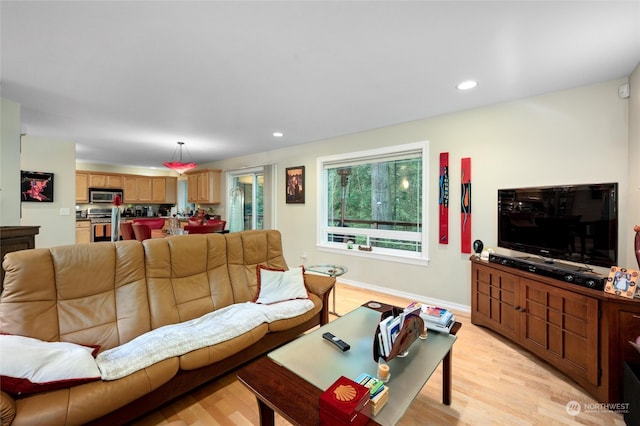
x=126, y=80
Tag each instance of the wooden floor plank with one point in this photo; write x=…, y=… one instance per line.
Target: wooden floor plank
x=495, y=382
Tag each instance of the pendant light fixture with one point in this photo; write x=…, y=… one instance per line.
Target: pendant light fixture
x=178, y=165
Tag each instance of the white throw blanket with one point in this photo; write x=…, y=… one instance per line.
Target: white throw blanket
x=178, y=339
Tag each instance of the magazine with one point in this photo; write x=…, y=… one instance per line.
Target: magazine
x=436, y=315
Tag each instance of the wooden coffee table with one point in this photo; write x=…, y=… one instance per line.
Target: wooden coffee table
x=279, y=389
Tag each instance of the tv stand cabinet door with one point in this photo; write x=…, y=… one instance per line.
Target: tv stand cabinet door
x=494, y=300
x=561, y=327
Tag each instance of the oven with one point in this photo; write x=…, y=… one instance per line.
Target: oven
x=100, y=224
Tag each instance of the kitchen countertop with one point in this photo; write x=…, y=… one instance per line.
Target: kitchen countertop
x=123, y=218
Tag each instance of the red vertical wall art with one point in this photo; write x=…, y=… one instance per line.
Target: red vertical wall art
x=465, y=205
x=443, y=200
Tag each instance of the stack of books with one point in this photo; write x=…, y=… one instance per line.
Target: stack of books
x=437, y=319
x=378, y=392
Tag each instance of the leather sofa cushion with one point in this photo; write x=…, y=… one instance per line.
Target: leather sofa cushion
x=81, y=404
x=187, y=277
x=245, y=251
x=7, y=408
x=67, y=300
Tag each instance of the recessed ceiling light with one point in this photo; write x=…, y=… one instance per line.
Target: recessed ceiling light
x=278, y=134
x=466, y=85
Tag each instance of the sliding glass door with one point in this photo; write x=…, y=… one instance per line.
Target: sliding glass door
x=246, y=201
x=251, y=198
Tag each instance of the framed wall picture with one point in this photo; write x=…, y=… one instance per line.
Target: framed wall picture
x=36, y=187
x=295, y=185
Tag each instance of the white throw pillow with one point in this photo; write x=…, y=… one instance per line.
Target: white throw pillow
x=277, y=286
x=29, y=365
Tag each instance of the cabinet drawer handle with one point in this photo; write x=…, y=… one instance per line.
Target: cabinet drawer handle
x=636, y=316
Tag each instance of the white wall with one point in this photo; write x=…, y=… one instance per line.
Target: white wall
x=57, y=157
x=574, y=136
x=9, y=163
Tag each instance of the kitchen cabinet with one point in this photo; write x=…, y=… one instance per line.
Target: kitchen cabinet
x=137, y=189
x=582, y=332
x=204, y=186
x=164, y=190
x=82, y=187
x=105, y=180
x=83, y=231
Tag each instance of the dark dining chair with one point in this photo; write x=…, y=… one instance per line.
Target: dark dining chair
x=141, y=231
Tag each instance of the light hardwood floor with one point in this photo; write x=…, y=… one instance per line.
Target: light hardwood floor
x=494, y=383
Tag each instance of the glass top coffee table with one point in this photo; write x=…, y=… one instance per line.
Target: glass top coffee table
x=290, y=379
x=331, y=270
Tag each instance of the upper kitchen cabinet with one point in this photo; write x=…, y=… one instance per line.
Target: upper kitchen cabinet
x=150, y=189
x=104, y=180
x=164, y=190
x=137, y=189
x=204, y=186
x=82, y=187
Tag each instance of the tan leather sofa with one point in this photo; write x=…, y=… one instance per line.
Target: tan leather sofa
x=109, y=293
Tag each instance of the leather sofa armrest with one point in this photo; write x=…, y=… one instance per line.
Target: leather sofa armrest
x=321, y=286
x=7, y=409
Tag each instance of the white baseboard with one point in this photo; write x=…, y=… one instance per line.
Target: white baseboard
x=415, y=297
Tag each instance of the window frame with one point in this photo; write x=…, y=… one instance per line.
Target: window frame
x=323, y=230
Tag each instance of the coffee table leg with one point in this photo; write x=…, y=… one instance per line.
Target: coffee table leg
x=446, y=378
x=266, y=414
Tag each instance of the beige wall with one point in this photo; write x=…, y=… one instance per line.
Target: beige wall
x=633, y=198
x=57, y=157
x=574, y=136
x=9, y=163
x=107, y=168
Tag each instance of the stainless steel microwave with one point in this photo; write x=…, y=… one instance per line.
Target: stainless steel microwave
x=103, y=195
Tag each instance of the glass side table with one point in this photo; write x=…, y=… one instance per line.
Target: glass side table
x=332, y=271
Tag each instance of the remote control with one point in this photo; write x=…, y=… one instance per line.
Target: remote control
x=341, y=344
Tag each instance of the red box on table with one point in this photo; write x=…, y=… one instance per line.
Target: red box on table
x=345, y=402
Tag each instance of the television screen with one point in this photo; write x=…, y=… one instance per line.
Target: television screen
x=578, y=223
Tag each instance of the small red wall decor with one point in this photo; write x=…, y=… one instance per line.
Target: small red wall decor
x=443, y=199
x=465, y=205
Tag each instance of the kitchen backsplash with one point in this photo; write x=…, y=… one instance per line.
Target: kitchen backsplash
x=129, y=210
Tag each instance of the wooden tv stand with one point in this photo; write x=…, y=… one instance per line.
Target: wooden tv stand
x=582, y=332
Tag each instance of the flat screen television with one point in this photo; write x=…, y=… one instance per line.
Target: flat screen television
x=578, y=223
